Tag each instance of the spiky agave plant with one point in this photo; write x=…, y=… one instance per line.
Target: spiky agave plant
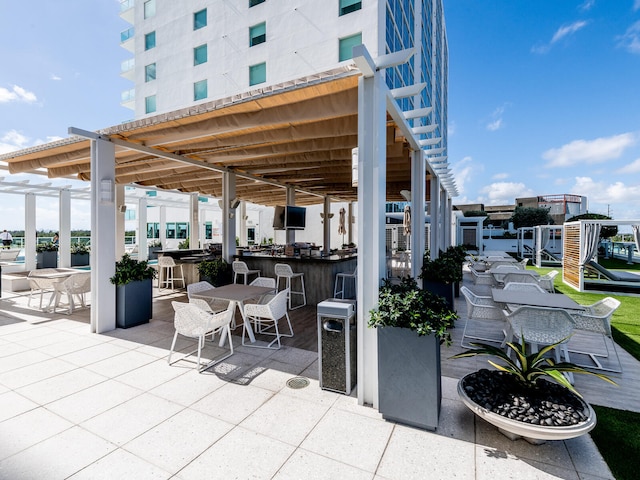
x=529, y=368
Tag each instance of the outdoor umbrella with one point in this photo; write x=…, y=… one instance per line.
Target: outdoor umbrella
x=342, y=229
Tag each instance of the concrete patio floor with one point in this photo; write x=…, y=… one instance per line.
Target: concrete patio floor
x=80, y=405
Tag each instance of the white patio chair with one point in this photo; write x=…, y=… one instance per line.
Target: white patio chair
x=193, y=322
x=482, y=308
x=481, y=278
x=522, y=264
x=524, y=287
x=520, y=277
x=240, y=268
x=167, y=277
x=546, y=281
x=263, y=314
x=76, y=285
x=542, y=326
x=215, y=305
x=267, y=282
x=282, y=270
x=500, y=271
x=597, y=319
x=41, y=284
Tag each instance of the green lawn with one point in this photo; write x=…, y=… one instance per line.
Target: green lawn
x=617, y=433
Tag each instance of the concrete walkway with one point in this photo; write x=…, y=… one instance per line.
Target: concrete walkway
x=80, y=405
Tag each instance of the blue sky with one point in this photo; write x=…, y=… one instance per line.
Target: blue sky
x=544, y=95
x=544, y=98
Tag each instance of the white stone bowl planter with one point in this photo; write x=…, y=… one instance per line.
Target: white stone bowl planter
x=535, y=434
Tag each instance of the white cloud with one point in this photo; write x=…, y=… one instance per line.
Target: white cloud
x=495, y=125
x=16, y=94
x=587, y=5
x=633, y=167
x=14, y=140
x=55, y=77
x=463, y=171
x=562, y=32
x=631, y=38
x=589, y=151
x=504, y=193
x=500, y=176
x=620, y=199
x=497, y=121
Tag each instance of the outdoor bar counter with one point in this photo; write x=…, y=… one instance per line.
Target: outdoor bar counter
x=189, y=260
x=319, y=272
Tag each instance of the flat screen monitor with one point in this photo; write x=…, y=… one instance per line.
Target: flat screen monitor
x=278, y=218
x=295, y=217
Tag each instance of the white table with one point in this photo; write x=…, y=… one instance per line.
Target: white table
x=238, y=294
x=535, y=299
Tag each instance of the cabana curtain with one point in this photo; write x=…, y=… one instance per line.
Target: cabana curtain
x=591, y=237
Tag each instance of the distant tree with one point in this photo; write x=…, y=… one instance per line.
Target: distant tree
x=607, y=231
x=530, y=217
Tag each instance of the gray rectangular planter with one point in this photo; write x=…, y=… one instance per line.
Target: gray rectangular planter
x=409, y=382
x=79, y=259
x=134, y=303
x=47, y=260
x=445, y=290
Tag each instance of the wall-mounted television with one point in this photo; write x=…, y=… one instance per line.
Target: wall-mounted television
x=295, y=217
x=278, y=218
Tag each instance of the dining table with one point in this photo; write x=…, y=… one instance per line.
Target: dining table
x=236, y=293
x=535, y=299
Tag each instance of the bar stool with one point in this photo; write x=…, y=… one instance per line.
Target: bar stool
x=282, y=270
x=167, y=275
x=340, y=279
x=240, y=268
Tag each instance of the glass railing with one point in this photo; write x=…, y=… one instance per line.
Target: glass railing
x=126, y=4
x=127, y=65
x=128, y=96
x=127, y=34
x=18, y=242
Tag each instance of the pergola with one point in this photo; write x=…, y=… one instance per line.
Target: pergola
x=292, y=143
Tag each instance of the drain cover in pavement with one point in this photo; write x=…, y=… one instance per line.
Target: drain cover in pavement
x=298, y=382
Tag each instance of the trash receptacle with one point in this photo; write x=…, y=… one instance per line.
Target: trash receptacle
x=337, y=345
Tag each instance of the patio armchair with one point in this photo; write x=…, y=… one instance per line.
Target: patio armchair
x=215, y=305
x=596, y=318
x=269, y=313
x=40, y=283
x=481, y=278
x=268, y=282
x=76, y=285
x=482, y=308
x=193, y=322
x=546, y=281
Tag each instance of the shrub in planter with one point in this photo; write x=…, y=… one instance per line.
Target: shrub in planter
x=217, y=271
x=440, y=275
x=153, y=248
x=80, y=254
x=47, y=255
x=412, y=323
x=134, y=291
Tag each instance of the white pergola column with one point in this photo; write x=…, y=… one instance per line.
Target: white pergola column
x=228, y=220
x=103, y=235
x=120, y=211
x=435, y=215
x=194, y=221
x=442, y=220
x=143, y=250
x=290, y=234
x=162, y=226
x=418, y=199
x=372, y=163
x=30, y=232
x=448, y=219
x=64, y=228
x=326, y=225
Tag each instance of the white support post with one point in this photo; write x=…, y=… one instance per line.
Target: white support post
x=448, y=218
x=103, y=239
x=372, y=141
x=194, y=221
x=435, y=215
x=228, y=216
x=326, y=225
x=290, y=234
x=162, y=234
x=64, y=229
x=119, y=221
x=143, y=250
x=30, y=232
x=442, y=220
x=418, y=200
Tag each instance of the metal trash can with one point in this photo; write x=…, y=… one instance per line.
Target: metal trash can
x=337, y=357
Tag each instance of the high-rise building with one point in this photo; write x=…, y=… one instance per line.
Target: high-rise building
x=193, y=51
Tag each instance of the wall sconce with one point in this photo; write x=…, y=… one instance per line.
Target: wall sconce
x=106, y=191
x=233, y=204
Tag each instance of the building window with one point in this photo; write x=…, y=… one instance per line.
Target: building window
x=150, y=104
x=257, y=34
x=346, y=46
x=200, y=19
x=149, y=8
x=200, y=90
x=348, y=6
x=200, y=54
x=257, y=73
x=150, y=72
x=150, y=40
x=253, y=3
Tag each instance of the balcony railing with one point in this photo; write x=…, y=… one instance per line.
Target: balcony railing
x=127, y=34
x=126, y=4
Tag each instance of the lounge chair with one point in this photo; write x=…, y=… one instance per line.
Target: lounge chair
x=614, y=276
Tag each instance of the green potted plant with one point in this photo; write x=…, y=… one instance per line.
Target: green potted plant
x=184, y=244
x=134, y=291
x=47, y=255
x=154, y=246
x=458, y=254
x=217, y=271
x=518, y=398
x=411, y=324
x=80, y=254
x=440, y=275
